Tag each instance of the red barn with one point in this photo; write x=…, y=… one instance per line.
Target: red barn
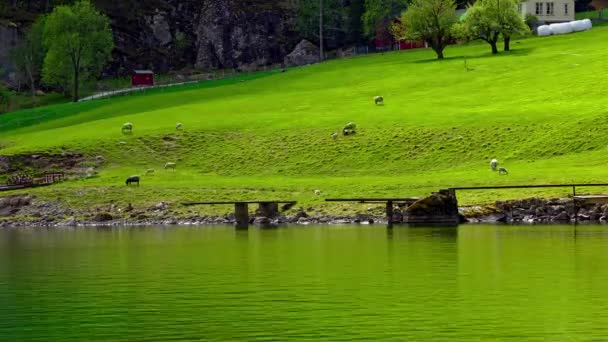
x=142, y=78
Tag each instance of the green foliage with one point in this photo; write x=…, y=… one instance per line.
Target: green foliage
x=79, y=42
x=28, y=56
x=488, y=19
x=531, y=20
x=379, y=14
x=429, y=20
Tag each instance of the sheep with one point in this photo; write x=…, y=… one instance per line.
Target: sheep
x=494, y=164
x=127, y=127
x=170, y=166
x=334, y=136
x=502, y=171
x=317, y=192
x=179, y=126
x=379, y=100
x=132, y=179
x=150, y=172
x=349, y=129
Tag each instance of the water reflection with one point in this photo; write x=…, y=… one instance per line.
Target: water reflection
x=325, y=282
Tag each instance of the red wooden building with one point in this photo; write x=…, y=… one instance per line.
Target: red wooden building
x=142, y=78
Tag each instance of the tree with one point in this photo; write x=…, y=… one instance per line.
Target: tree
x=79, y=42
x=321, y=20
x=488, y=19
x=429, y=20
x=510, y=20
x=481, y=23
x=28, y=56
x=381, y=13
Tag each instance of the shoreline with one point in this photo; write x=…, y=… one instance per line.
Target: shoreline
x=27, y=211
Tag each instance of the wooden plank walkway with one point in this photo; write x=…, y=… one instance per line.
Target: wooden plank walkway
x=241, y=209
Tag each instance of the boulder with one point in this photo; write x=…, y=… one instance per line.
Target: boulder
x=103, y=217
x=562, y=218
x=305, y=53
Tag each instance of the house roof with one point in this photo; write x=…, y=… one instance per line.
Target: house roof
x=143, y=72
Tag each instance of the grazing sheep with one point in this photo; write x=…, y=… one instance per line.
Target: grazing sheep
x=317, y=192
x=349, y=129
x=179, y=126
x=494, y=164
x=127, y=127
x=150, y=172
x=170, y=166
x=379, y=100
x=334, y=136
x=133, y=179
x=502, y=171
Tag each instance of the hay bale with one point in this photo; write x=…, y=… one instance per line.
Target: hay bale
x=544, y=31
x=561, y=28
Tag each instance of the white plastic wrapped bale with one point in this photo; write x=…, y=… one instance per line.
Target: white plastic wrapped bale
x=543, y=30
x=588, y=23
x=578, y=25
x=562, y=28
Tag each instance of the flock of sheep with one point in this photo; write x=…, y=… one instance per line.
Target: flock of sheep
x=127, y=128
x=349, y=129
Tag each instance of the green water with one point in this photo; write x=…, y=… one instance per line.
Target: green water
x=316, y=283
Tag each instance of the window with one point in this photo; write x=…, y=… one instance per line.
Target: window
x=566, y=9
x=549, y=8
x=539, y=8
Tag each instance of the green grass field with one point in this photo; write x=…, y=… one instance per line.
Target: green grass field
x=541, y=109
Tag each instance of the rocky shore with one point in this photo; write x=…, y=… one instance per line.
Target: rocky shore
x=27, y=211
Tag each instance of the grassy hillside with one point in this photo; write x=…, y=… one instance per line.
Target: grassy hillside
x=541, y=109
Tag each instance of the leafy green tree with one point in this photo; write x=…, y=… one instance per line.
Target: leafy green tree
x=380, y=13
x=28, y=56
x=319, y=20
x=481, y=23
x=79, y=42
x=489, y=19
x=429, y=20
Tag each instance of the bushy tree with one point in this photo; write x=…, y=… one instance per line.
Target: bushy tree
x=79, y=42
x=28, y=56
x=380, y=13
x=429, y=20
x=489, y=19
x=481, y=23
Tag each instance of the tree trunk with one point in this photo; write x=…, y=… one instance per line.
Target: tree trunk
x=507, y=43
x=494, y=48
x=75, y=90
x=33, y=89
x=439, y=53
x=321, y=55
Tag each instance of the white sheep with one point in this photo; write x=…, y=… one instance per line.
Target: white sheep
x=334, y=136
x=127, y=127
x=170, y=166
x=494, y=164
x=379, y=100
x=502, y=171
x=179, y=126
x=317, y=192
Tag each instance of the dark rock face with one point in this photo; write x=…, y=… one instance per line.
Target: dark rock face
x=232, y=34
x=163, y=35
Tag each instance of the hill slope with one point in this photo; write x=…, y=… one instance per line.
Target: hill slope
x=540, y=109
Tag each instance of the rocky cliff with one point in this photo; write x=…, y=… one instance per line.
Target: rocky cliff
x=172, y=34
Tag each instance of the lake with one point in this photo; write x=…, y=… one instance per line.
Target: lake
x=475, y=282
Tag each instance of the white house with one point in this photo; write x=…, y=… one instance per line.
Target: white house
x=548, y=12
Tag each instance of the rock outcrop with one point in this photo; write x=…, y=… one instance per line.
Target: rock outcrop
x=164, y=35
x=305, y=53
